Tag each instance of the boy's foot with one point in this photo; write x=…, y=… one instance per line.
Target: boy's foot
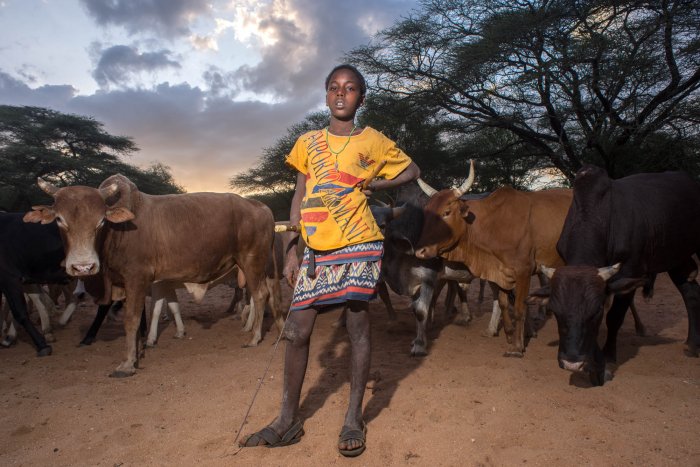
x=269, y=438
x=352, y=441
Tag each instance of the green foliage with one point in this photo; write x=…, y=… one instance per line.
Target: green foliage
x=65, y=150
x=573, y=82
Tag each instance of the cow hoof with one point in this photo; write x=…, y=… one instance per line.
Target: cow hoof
x=49, y=337
x=514, y=354
x=122, y=374
x=151, y=345
x=418, y=351
x=463, y=321
x=489, y=333
x=86, y=341
x=692, y=353
x=7, y=342
x=180, y=335
x=250, y=344
x=597, y=378
x=44, y=352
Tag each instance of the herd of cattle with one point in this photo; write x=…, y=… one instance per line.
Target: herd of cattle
x=592, y=247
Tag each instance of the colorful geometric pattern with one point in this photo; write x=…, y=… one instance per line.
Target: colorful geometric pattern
x=349, y=273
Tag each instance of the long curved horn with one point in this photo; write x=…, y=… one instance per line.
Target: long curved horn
x=46, y=186
x=467, y=183
x=427, y=189
x=109, y=190
x=608, y=271
x=549, y=272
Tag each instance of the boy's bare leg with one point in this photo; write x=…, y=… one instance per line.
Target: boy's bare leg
x=297, y=329
x=359, y=332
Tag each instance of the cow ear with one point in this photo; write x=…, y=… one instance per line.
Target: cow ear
x=43, y=214
x=119, y=215
x=539, y=296
x=626, y=285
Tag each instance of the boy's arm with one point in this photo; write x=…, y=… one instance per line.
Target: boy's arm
x=291, y=263
x=410, y=173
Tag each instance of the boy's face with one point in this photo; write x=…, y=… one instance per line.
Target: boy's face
x=343, y=95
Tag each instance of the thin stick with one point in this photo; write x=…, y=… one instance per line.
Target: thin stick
x=260, y=383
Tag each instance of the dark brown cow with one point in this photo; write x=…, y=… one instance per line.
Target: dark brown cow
x=503, y=238
x=135, y=239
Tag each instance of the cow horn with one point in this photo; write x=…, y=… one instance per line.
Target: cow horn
x=427, y=189
x=46, y=186
x=608, y=271
x=109, y=190
x=549, y=272
x=398, y=211
x=467, y=183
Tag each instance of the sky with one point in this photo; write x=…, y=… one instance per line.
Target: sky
x=201, y=86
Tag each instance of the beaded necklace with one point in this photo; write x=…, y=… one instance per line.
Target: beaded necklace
x=344, y=145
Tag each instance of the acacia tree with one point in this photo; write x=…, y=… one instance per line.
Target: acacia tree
x=610, y=82
x=66, y=150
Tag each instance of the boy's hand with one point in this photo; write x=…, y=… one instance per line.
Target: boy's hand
x=291, y=268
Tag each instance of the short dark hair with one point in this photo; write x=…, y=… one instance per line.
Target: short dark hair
x=347, y=66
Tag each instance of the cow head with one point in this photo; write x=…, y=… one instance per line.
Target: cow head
x=80, y=213
x=579, y=297
x=445, y=217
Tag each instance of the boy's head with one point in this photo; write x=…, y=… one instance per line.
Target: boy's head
x=360, y=78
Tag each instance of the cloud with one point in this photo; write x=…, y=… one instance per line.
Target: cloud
x=169, y=18
x=16, y=92
x=118, y=64
x=301, y=40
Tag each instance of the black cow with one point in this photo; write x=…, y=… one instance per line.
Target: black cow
x=29, y=253
x=617, y=235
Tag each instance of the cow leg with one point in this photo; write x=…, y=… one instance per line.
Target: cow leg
x=506, y=315
x=683, y=278
x=449, y=296
x=174, y=307
x=522, y=288
x=275, y=301
x=383, y=292
x=100, y=316
x=15, y=299
x=71, y=305
x=613, y=321
x=496, y=310
x=158, y=300
x=465, y=315
x=638, y=324
x=133, y=312
x=482, y=284
x=255, y=276
x=44, y=306
x=421, y=308
x=8, y=331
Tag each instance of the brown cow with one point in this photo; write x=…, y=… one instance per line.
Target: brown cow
x=135, y=239
x=503, y=238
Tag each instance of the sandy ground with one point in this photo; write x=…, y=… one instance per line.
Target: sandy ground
x=463, y=404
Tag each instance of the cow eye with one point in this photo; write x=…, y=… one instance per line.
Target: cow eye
x=447, y=213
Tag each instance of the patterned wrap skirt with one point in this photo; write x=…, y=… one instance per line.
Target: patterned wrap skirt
x=349, y=273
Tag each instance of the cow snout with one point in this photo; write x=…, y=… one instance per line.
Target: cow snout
x=82, y=269
x=571, y=366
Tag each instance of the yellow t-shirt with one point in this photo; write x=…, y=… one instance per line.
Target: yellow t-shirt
x=335, y=212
